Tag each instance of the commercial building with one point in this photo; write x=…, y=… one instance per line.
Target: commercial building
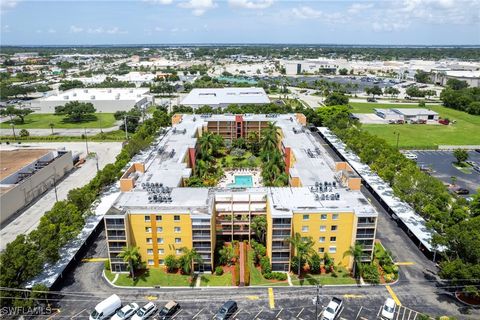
x=108, y=100
x=407, y=114
x=310, y=66
x=26, y=174
x=223, y=97
x=472, y=77
x=158, y=214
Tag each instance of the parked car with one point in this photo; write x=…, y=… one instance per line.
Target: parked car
x=226, y=311
x=333, y=308
x=106, y=308
x=371, y=100
x=461, y=191
x=410, y=156
x=477, y=150
x=388, y=309
x=444, y=121
x=145, y=312
x=169, y=310
x=126, y=312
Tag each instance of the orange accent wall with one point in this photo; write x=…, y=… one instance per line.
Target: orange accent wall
x=127, y=183
x=176, y=118
x=295, y=182
x=288, y=159
x=354, y=183
x=191, y=157
x=301, y=118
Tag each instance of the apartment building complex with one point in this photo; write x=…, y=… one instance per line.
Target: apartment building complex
x=156, y=213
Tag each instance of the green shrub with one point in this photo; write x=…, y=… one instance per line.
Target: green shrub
x=106, y=265
x=389, y=277
x=268, y=275
x=279, y=276
x=315, y=262
x=171, y=263
x=237, y=273
x=370, y=273
x=218, y=271
x=265, y=264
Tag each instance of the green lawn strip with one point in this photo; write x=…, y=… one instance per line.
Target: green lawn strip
x=466, y=169
x=225, y=280
x=240, y=162
x=110, y=276
x=154, y=277
x=343, y=277
x=117, y=135
x=430, y=136
x=256, y=277
x=43, y=121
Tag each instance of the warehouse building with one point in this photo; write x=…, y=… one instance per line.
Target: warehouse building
x=223, y=97
x=157, y=213
x=26, y=174
x=407, y=114
x=107, y=100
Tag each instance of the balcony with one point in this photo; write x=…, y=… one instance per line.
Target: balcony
x=280, y=248
x=204, y=238
x=281, y=226
x=124, y=238
x=201, y=226
x=116, y=260
x=280, y=259
x=366, y=225
x=365, y=236
x=115, y=249
x=112, y=226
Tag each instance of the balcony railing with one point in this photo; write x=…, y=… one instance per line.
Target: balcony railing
x=117, y=260
x=365, y=236
x=200, y=226
x=366, y=225
x=201, y=237
x=281, y=226
x=279, y=248
x=111, y=226
x=280, y=259
x=117, y=238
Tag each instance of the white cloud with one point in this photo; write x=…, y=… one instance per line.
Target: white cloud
x=8, y=4
x=164, y=2
x=75, y=29
x=251, y=4
x=51, y=30
x=5, y=29
x=198, y=7
x=389, y=26
x=159, y=29
x=306, y=12
x=359, y=7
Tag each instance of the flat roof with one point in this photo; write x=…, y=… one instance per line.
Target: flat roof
x=98, y=94
x=412, y=220
x=414, y=111
x=13, y=160
x=217, y=96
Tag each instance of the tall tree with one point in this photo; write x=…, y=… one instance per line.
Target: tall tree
x=131, y=255
x=303, y=248
x=355, y=251
x=259, y=226
x=461, y=155
x=189, y=258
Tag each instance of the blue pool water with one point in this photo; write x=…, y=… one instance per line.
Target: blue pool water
x=242, y=182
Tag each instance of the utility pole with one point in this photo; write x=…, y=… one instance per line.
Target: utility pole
x=317, y=300
x=13, y=129
x=398, y=137
x=126, y=128
x=55, y=187
x=86, y=141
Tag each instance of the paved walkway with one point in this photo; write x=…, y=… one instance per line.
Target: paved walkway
x=242, y=264
x=59, y=132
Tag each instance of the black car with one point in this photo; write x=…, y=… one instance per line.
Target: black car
x=169, y=310
x=371, y=100
x=226, y=311
x=461, y=191
x=477, y=150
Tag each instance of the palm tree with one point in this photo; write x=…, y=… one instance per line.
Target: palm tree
x=303, y=247
x=206, y=144
x=356, y=252
x=190, y=256
x=51, y=127
x=259, y=225
x=131, y=255
x=201, y=169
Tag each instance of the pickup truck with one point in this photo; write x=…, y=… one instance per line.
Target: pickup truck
x=332, y=309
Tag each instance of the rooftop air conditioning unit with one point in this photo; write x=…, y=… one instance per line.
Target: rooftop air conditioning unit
x=92, y=97
x=109, y=90
x=85, y=90
x=65, y=97
x=74, y=94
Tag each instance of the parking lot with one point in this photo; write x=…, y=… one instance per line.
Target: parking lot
x=441, y=162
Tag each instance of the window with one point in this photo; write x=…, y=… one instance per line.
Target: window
x=304, y=228
x=335, y=216
x=161, y=261
x=321, y=249
x=159, y=240
x=334, y=228
x=150, y=262
x=159, y=229
x=158, y=218
x=332, y=249
x=147, y=218
x=161, y=251
x=178, y=240
x=149, y=240
x=323, y=216
x=176, y=229
x=321, y=239
x=148, y=229
x=333, y=239
x=178, y=251
x=323, y=228
x=149, y=251
x=176, y=218
x=306, y=217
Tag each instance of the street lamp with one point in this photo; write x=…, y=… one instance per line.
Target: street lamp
x=317, y=300
x=398, y=136
x=86, y=141
x=13, y=129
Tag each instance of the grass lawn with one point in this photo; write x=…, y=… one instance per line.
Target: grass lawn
x=43, y=120
x=117, y=135
x=231, y=161
x=225, y=280
x=365, y=107
x=110, y=276
x=256, y=277
x=325, y=279
x=154, y=277
x=430, y=136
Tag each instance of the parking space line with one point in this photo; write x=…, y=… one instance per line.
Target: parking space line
x=298, y=315
x=271, y=299
x=196, y=314
x=394, y=296
x=416, y=314
x=358, y=313
x=176, y=314
x=256, y=316
x=94, y=259
x=78, y=314
x=236, y=313
x=409, y=314
x=404, y=314
x=405, y=263
x=398, y=313
x=379, y=310
x=279, y=313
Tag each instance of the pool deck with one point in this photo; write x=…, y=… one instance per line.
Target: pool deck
x=229, y=179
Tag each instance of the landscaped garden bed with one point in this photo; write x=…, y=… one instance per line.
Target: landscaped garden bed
x=154, y=277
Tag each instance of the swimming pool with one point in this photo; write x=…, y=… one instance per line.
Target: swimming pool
x=243, y=181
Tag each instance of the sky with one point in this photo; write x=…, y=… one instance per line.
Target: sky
x=380, y=22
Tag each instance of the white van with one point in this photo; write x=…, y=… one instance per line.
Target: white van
x=106, y=308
